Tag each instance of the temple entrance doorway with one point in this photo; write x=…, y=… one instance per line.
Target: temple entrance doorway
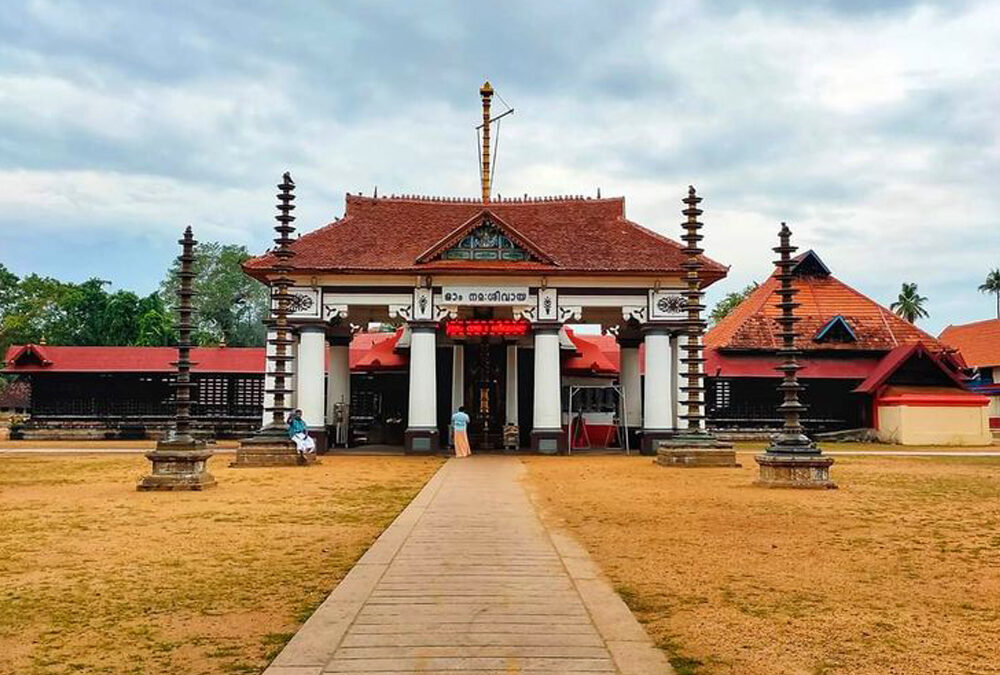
x=485, y=381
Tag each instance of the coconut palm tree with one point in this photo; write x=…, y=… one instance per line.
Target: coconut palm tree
x=910, y=304
x=992, y=285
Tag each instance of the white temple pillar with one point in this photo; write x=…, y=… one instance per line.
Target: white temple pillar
x=675, y=381
x=309, y=381
x=546, y=432
x=338, y=387
x=658, y=412
x=631, y=383
x=292, y=400
x=421, y=431
x=510, y=403
x=457, y=377
x=269, y=350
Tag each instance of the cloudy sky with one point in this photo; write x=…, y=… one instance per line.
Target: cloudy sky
x=872, y=128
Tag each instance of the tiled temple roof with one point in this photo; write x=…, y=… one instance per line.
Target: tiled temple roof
x=569, y=234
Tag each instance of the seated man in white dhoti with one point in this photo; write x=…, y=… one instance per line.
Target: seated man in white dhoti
x=298, y=431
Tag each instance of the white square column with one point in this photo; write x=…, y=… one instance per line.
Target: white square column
x=457, y=377
x=338, y=388
x=659, y=407
x=421, y=434
x=630, y=378
x=310, y=390
x=676, y=344
x=546, y=433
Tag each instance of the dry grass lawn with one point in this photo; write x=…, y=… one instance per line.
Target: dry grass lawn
x=896, y=572
x=98, y=578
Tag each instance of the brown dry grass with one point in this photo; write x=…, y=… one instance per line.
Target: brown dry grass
x=896, y=572
x=98, y=578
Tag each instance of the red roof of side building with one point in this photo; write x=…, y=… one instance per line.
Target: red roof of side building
x=822, y=298
x=834, y=367
x=377, y=351
x=897, y=358
x=591, y=357
x=54, y=358
x=562, y=235
x=368, y=351
x=978, y=342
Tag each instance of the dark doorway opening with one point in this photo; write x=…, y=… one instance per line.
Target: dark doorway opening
x=485, y=393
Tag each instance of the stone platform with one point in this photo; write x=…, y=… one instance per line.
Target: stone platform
x=696, y=451
x=270, y=451
x=468, y=580
x=811, y=472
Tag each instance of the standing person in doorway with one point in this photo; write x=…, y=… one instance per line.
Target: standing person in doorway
x=460, y=425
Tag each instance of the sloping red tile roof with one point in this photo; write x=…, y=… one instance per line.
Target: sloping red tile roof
x=377, y=351
x=590, y=357
x=895, y=359
x=979, y=342
x=131, y=359
x=752, y=324
x=577, y=235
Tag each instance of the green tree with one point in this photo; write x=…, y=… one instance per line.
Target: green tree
x=82, y=320
x=31, y=308
x=155, y=327
x=910, y=304
x=229, y=305
x=992, y=285
x=723, y=307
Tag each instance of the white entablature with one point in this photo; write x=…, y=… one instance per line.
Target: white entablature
x=539, y=303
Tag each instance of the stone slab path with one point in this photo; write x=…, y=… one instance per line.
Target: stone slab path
x=468, y=580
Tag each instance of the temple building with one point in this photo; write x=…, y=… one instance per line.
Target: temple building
x=979, y=345
x=864, y=367
x=483, y=289
x=126, y=392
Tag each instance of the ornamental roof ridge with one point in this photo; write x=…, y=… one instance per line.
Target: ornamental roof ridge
x=444, y=199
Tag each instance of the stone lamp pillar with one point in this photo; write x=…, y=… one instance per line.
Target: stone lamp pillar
x=180, y=462
x=271, y=446
x=792, y=460
x=693, y=445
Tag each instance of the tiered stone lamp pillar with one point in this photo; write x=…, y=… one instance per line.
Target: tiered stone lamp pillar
x=792, y=460
x=693, y=446
x=271, y=446
x=180, y=462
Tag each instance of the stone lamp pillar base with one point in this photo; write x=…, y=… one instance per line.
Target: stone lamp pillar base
x=178, y=464
x=810, y=472
x=696, y=451
x=270, y=447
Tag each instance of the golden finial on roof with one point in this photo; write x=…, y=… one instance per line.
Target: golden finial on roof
x=486, y=92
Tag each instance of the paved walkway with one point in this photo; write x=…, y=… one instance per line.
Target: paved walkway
x=468, y=580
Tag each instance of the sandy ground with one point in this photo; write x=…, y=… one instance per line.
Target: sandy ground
x=94, y=446
x=896, y=572
x=98, y=578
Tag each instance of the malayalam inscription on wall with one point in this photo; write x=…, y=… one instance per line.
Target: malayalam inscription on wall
x=484, y=295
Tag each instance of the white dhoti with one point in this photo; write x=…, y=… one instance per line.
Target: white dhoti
x=304, y=442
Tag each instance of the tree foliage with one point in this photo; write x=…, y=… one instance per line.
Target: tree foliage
x=725, y=306
x=231, y=306
x=992, y=285
x=910, y=304
x=38, y=308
